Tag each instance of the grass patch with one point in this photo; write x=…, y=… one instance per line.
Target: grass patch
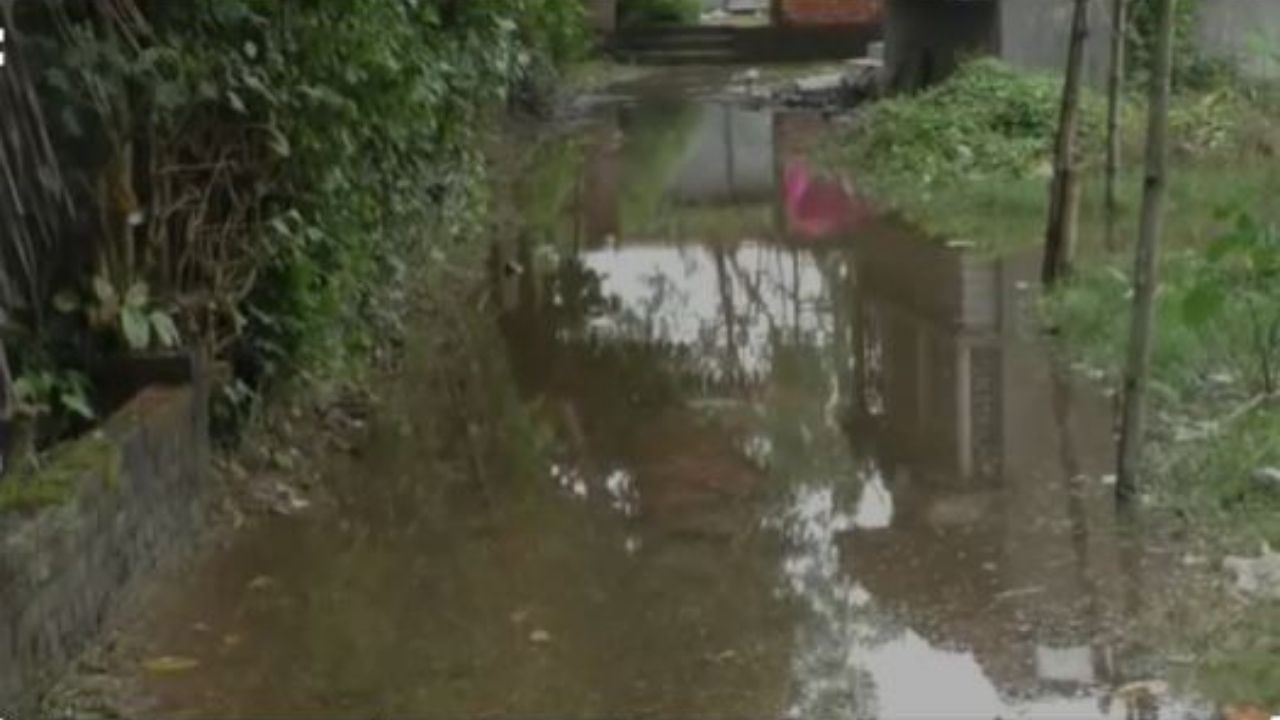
x=971, y=159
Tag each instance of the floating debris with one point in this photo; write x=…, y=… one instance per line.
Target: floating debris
x=170, y=664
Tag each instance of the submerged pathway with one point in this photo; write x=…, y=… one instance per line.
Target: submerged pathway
x=788, y=460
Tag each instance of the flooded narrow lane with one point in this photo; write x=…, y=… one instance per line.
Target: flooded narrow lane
x=792, y=460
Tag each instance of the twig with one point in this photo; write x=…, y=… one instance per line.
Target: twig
x=1215, y=427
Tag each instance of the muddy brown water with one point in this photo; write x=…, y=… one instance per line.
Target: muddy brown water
x=791, y=460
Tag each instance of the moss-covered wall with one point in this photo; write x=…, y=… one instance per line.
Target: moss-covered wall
x=97, y=516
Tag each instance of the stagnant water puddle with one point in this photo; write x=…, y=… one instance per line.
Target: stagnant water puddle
x=797, y=462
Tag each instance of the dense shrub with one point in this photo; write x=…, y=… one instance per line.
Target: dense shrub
x=988, y=119
x=250, y=176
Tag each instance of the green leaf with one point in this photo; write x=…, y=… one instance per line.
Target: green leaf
x=66, y=302
x=1202, y=303
x=279, y=143
x=170, y=95
x=105, y=293
x=25, y=388
x=137, y=296
x=136, y=327
x=76, y=402
x=166, y=331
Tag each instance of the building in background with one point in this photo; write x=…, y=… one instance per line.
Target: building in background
x=927, y=39
x=826, y=12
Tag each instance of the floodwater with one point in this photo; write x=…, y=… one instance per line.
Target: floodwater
x=790, y=459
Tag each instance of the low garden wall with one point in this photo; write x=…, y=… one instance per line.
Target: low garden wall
x=112, y=505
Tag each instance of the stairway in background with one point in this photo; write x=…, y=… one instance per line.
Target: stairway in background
x=678, y=46
x=717, y=45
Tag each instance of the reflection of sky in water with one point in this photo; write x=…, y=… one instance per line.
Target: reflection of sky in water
x=680, y=295
x=854, y=660
x=875, y=505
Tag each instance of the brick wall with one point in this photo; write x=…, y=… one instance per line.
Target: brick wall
x=830, y=12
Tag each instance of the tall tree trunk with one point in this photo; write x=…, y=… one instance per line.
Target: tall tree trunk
x=1064, y=191
x=1115, y=89
x=1145, y=271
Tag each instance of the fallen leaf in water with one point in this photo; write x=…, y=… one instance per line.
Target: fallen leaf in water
x=262, y=582
x=170, y=664
x=1144, y=689
x=539, y=637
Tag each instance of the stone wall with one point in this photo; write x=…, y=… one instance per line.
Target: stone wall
x=133, y=497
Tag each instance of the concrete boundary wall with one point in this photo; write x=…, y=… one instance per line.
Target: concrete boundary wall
x=134, y=497
x=1244, y=31
x=927, y=39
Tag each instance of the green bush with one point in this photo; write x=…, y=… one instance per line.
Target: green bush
x=988, y=119
x=261, y=172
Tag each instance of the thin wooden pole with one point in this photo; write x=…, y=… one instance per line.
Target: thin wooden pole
x=1064, y=208
x=1146, y=262
x=1115, y=90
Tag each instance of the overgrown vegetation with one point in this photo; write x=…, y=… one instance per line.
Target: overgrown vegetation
x=970, y=159
x=251, y=178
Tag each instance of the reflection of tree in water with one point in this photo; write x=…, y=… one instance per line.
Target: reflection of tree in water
x=810, y=458
x=765, y=324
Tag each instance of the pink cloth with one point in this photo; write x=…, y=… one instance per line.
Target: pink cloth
x=817, y=206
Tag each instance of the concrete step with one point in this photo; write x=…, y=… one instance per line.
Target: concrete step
x=668, y=56
x=678, y=30
x=676, y=41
